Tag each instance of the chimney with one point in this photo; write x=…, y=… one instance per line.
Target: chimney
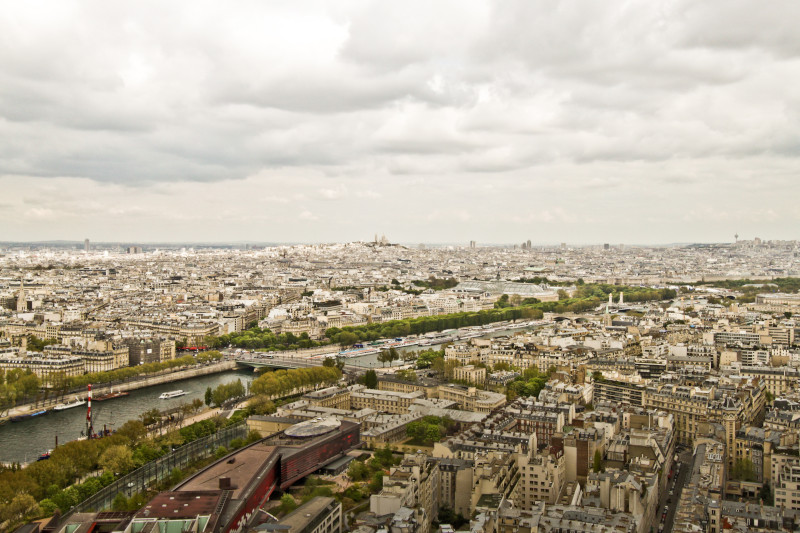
x=225, y=483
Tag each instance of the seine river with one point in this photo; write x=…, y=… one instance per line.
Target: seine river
x=25, y=441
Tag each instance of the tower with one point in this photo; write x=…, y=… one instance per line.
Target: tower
x=22, y=303
x=86, y=245
x=620, y=298
x=736, y=237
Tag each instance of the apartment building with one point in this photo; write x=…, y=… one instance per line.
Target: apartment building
x=542, y=476
x=472, y=399
x=470, y=374
x=334, y=397
x=45, y=367
x=383, y=401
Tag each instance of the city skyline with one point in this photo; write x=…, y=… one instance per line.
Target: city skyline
x=556, y=122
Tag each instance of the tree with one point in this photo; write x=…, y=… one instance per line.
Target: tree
x=120, y=502
x=346, y=338
x=502, y=302
x=376, y=483
x=385, y=457
x=744, y=470
x=787, y=314
x=357, y=471
x=562, y=294
x=371, y=379
x=117, y=459
x=407, y=374
x=150, y=416
x=197, y=404
x=597, y=463
x=287, y=504
x=133, y=430
x=23, y=507
x=765, y=494
x=48, y=507
x=209, y=396
x=329, y=362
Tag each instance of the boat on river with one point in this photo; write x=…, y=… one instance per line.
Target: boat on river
x=111, y=395
x=64, y=406
x=20, y=418
x=173, y=394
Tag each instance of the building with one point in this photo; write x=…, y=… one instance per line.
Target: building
x=471, y=374
x=472, y=399
x=47, y=368
x=414, y=484
x=334, y=397
x=383, y=401
x=142, y=350
x=318, y=515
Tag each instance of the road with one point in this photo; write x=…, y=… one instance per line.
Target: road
x=670, y=502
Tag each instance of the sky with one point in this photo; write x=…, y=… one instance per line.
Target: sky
x=496, y=121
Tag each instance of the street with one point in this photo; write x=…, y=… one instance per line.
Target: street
x=669, y=502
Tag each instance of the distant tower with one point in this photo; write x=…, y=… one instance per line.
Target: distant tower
x=529, y=244
x=610, y=296
x=606, y=246
x=736, y=237
x=22, y=303
x=86, y=245
x=620, y=298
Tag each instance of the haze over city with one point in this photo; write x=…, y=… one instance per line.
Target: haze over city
x=638, y=122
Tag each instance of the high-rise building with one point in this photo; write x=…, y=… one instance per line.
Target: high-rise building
x=606, y=246
x=86, y=245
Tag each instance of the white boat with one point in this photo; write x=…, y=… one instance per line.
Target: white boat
x=78, y=402
x=172, y=394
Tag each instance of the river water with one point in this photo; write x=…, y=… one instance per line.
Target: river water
x=25, y=441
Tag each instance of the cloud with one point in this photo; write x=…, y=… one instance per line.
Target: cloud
x=341, y=114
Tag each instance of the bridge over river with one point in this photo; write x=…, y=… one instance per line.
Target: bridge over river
x=257, y=360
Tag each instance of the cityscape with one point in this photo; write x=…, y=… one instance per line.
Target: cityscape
x=399, y=267
x=377, y=387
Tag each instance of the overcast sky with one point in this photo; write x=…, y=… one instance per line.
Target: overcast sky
x=445, y=121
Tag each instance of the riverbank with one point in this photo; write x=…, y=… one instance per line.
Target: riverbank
x=159, y=378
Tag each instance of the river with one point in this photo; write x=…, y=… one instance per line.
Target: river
x=25, y=441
